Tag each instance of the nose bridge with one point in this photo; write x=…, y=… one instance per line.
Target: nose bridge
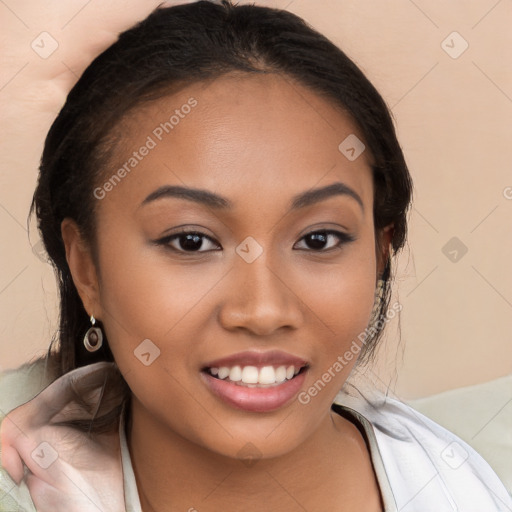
x=261, y=282
x=261, y=301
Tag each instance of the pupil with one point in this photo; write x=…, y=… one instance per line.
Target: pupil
x=192, y=242
x=318, y=239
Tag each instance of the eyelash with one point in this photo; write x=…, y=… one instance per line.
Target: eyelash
x=344, y=238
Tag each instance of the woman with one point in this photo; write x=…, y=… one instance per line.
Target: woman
x=222, y=196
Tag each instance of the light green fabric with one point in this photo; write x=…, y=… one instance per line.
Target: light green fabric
x=17, y=387
x=481, y=415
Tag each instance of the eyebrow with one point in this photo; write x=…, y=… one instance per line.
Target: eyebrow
x=218, y=202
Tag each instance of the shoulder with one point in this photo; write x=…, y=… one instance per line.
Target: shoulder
x=18, y=386
x=425, y=463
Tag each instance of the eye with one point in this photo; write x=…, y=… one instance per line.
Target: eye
x=187, y=241
x=317, y=240
x=194, y=241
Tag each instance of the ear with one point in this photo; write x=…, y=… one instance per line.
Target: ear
x=82, y=267
x=383, y=248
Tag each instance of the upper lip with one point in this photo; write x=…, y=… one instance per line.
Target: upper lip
x=252, y=358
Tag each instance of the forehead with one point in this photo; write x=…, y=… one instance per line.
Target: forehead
x=240, y=133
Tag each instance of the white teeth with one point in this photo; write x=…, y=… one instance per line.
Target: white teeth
x=280, y=374
x=223, y=372
x=267, y=375
x=235, y=374
x=252, y=375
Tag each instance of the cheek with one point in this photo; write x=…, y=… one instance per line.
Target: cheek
x=147, y=295
x=143, y=291
x=341, y=296
x=341, y=299
x=154, y=313
x=142, y=297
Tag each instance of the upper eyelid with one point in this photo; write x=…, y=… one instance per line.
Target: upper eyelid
x=342, y=236
x=165, y=240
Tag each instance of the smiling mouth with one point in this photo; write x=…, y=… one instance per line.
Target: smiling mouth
x=254, y=376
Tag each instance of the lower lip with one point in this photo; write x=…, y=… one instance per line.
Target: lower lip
x=255, y=399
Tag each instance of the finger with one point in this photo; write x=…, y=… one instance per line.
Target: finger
x=10, y=458
x=12, y=463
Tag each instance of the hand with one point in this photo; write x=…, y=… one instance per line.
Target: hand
x=64, y=468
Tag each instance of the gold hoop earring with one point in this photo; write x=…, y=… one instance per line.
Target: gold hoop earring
x=93, y=339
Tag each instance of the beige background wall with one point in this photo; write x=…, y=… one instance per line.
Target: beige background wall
x=453, y=111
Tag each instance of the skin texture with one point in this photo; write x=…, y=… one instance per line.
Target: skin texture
x=258, y=141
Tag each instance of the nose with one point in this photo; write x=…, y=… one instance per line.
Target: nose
x=261, y=299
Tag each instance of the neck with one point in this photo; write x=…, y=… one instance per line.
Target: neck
x=176, y=474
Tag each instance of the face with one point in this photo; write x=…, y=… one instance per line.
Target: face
x=269, y=274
